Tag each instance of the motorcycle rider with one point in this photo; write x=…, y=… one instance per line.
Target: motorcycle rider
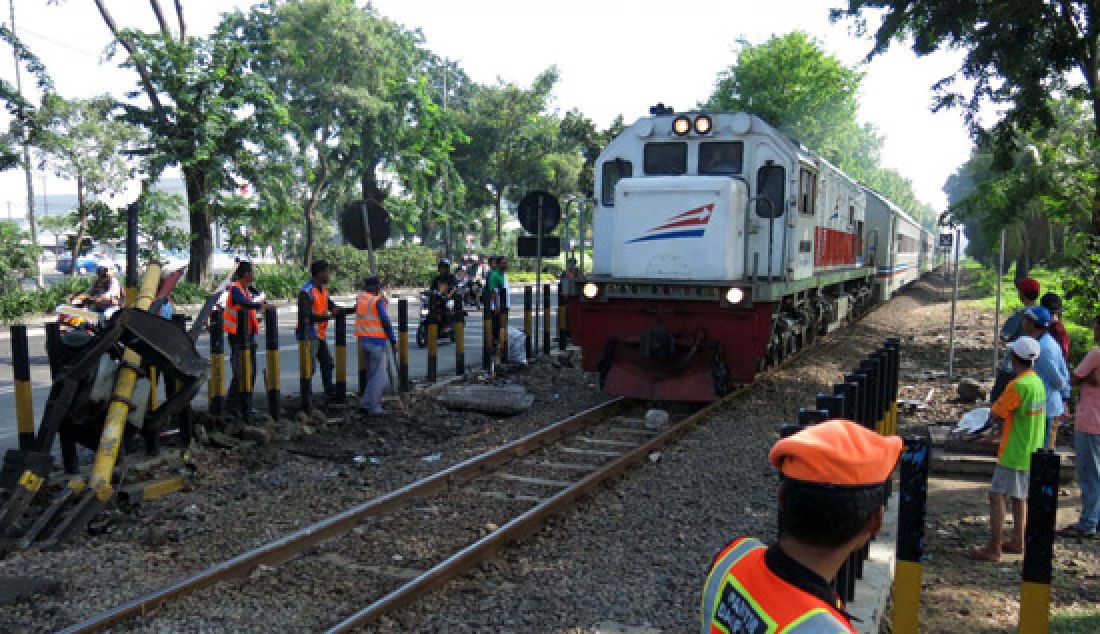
x=445, y=283
x=105, y=292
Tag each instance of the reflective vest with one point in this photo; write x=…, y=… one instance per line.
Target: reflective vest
x=743, y=596
x=368, y=321
x=319, y=297
x=229, y=313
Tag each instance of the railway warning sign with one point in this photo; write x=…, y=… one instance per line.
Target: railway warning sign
x=536, y=204
x=947, y=240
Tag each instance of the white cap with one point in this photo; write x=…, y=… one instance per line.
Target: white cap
x=1026, y=348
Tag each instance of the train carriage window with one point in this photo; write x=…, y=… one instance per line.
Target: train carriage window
x=770, y=186
x=807, y=195
x=613, y=172
x=721, y=158
x=666, y=159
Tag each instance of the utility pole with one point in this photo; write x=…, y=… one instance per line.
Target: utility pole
x=448, y=200
x=26, y=149
x=954, y=303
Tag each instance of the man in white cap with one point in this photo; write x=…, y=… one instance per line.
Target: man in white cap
x=1021, y=409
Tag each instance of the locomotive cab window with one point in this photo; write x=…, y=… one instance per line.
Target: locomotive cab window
x=613, y=172
x=807, y=185
x=770, y=186
x=666, y=159
x=721, y=158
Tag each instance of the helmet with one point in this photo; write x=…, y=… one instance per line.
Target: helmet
x=444, y=262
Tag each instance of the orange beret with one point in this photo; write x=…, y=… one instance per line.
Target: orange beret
x=837, y=452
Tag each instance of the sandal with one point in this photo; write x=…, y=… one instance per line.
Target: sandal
x=981, y=554
x=1075, y=531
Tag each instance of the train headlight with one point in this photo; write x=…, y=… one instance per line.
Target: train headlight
x=735, y=295
x=681, y=125
x=703, y=124
x=590, y=290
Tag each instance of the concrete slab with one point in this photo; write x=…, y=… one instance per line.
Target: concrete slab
x=982, y=466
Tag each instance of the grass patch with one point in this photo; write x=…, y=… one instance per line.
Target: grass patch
x=1075, y=620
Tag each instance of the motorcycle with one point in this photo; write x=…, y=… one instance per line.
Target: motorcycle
x=469, y=291
x=441, y=311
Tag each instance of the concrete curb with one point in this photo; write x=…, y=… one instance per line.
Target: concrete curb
x=874, y=589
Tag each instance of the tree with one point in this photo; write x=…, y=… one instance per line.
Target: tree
x=18, y=256
x=1017, y=53
x=24, y=127
x=160, y=216
x=82, y=143
x=205, y=111
x=794, y=85
x=509, y=133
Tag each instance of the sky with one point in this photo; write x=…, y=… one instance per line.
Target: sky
x=614, y=57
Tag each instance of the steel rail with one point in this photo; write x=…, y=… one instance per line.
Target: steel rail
x=282, y=549
x=486, y=547
x=286, y=547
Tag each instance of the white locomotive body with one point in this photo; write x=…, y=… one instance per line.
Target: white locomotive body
x=720, y=245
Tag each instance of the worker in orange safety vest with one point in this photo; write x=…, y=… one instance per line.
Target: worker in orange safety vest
x=831, y=503
x=315, y=299
x=242, y=337
x=373, y=330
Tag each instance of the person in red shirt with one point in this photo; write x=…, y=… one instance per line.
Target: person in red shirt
x=831, y=500
x=1053, y=303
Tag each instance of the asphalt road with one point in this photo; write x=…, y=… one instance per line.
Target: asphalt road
x=288, y=360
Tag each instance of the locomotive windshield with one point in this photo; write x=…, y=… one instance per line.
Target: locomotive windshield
x=666, y=159
x=721, y=158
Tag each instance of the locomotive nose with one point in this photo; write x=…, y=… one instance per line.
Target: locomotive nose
x=657, y=343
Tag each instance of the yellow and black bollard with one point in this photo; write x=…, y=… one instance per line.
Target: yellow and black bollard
x=244, y=364
x=433, y=351
x=216, y=390
x=486, y=333
x=403, y=344
x=361, y=367
x=873, y=366
x=915, y=461
x=24, y=400
x=274, y=375
x=893, y=344
x=305, y=354
x=341, y=346
x=563, y=320
x=528, y=330
x=110, y=440
x=546, y=319
x=53, y=349
x=1042, y=511
x=153, y=379
x=460, y=338
x=502, y=337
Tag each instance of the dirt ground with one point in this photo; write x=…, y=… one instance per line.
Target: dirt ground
x=960, y=594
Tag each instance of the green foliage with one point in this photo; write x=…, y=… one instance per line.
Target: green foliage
x=1075, y=620
x=794, y=85
x=18, y=303
x=1017, y=52
x=1042, y=198
x=206, y=112
x=407, y=265
x=189, y=293
x=18, y=258
x=25, y=125
x=158, y=215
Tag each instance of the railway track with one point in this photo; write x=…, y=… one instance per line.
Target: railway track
x=529, y=479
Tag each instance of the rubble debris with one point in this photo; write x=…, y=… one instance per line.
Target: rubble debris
x=656, y=418
x=970, y=391
x=489, y=399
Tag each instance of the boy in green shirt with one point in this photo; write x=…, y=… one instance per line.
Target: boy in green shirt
x=1021, y=409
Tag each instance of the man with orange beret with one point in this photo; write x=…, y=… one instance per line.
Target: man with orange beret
x=831, y=498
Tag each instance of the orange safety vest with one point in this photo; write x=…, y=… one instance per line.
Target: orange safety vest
x=229, y=313
x=320, y=306
x=368, y=321
x=743, y=596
